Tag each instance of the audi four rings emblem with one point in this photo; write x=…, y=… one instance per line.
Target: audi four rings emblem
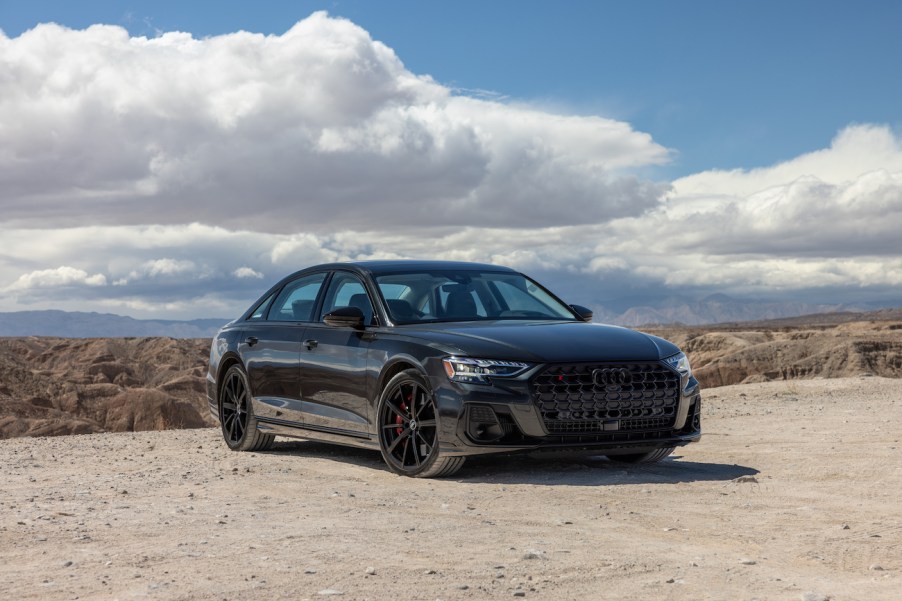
x=617, y=376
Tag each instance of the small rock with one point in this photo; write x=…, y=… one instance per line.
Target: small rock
x=744, y=479
x=845, y=526
x=330, y=592
x=876, y=568
x=309, y=571
x=66, y=564
x=371, y=571
x=519, y=594
x=814, y=597
x=429, y=572
x=671, y=581
x=463, y=587
x=748, y=562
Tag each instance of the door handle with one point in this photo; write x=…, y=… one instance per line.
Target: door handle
x=252, y=340
x=311, y=344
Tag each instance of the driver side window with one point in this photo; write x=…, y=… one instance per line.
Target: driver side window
x=345, y=290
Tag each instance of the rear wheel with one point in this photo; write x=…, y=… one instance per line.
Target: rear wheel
x=236, y=414
x=408, y=429
x=650, y=457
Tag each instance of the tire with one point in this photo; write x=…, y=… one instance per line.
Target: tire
x=236, y=414
x=408, y=429
x=650, y=457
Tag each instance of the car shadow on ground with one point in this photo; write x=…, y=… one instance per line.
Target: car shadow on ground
x=594, y=470
x=544, y=468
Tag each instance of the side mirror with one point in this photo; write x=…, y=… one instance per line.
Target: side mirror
x=584, y=312
x=345, y=317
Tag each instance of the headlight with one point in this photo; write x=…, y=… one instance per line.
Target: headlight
x=480, y=371
x=680, y=362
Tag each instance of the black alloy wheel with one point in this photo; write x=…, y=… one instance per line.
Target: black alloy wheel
x=408, y=429
x=236, y=415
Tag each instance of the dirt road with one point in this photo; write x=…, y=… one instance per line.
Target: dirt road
x=793, y=493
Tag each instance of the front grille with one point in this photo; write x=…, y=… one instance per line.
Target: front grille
x=598, y=397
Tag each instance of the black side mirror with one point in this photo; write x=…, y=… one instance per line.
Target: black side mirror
x=584, y=312
x=345, y=317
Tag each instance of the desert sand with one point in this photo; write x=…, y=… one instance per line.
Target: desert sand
x=793, y=493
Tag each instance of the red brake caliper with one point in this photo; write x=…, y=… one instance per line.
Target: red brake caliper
x=398, y=419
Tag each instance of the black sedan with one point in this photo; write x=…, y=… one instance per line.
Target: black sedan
x=432, y=361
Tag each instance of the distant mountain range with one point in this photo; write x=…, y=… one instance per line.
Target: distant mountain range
x=717, y=308
x=65, y=324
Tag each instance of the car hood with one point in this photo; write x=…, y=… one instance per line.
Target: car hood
x=543, y=341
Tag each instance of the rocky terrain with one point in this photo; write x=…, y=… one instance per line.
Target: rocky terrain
x=792, y=494
x=52, y=386
x=830, y=346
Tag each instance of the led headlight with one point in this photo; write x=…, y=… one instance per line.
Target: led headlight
x=680, y=362
x=480, y=371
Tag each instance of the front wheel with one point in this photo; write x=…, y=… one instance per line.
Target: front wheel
x=408, y=429
x=236, y=415
x=650, y=457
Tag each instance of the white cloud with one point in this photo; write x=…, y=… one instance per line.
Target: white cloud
x=283, y=132
x=247, y=272
x=164, y=267
x=56, y=278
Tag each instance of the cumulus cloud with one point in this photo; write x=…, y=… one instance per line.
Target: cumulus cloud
x=314, y=127
x=60, y=277
x=828, y=218
x=247, y=272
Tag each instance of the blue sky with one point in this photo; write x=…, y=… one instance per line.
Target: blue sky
x=616, y=150
x=726, y=84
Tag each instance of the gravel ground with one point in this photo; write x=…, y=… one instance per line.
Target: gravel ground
x=793, y=493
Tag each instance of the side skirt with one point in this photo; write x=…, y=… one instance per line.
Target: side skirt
x=313, y=432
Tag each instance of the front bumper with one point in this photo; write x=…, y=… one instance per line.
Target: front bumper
x=505, y=418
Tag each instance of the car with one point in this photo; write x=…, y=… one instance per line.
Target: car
x=432, y=361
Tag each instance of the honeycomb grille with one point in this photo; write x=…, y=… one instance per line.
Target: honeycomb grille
x=599, y=397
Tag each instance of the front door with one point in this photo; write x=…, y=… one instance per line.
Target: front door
x=334, y=361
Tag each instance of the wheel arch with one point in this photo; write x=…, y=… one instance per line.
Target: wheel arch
x=392, y=368
x=227, y=361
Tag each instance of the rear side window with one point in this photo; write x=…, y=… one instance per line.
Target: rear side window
x=260, y=312
x=297, y=299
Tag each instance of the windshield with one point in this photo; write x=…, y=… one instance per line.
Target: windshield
x=467, y=296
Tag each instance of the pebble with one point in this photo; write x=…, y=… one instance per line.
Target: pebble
x=309, y=571
x=330, y=592
x=463, y=587
x=66, y=564
x=519, y=594
x=371, y=571
x=814, y=597
x=748, y=562
x=876, y=568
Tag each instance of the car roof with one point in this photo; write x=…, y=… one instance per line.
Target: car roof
x=401, y=266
